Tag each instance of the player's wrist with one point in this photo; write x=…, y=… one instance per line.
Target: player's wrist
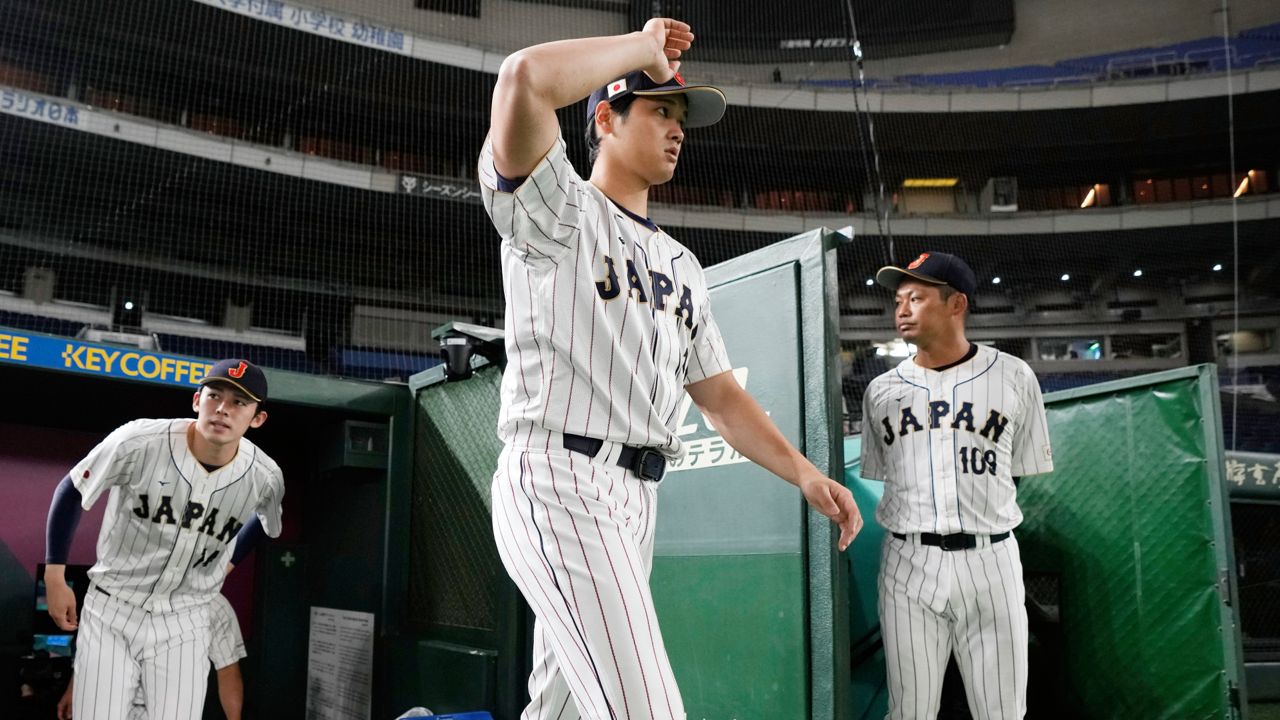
x=55, y=574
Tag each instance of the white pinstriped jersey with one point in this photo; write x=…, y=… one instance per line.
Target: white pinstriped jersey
x=606, y=320
x=226, y=644
x=164, y=542
x=226, y=647
x=949, y=443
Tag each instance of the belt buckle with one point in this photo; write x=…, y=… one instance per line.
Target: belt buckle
x=955, y=541
x=651, y=465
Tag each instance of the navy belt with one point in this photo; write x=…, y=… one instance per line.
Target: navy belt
x=957, y=541
x=646, y=462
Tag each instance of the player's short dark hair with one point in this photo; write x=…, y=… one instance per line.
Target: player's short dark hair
x=621, y=106
x=946, y=291
x=261, y=404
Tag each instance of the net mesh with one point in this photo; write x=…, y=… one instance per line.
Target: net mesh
x=296, y=185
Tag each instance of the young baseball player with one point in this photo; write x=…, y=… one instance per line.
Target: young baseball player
x=949, y=430
x=608, y=325
x=179, y=491
x=226, y=649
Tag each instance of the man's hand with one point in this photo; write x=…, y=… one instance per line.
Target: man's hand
x=61, y=599
x=836, y=502
x=64, y=704
x=670, y=39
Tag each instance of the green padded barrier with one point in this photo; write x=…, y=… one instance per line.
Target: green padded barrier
x=869, y=695
x=454, y=565
x=743, y=575
x=1134, y=524
x=459, y=596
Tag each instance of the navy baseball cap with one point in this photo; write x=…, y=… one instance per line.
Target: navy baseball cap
x=706, y=103
x=242, y=374
x=935, y=268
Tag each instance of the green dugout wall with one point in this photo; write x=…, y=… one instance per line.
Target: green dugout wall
x=750, y=591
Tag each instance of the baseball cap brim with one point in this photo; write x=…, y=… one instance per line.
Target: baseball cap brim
x=891, y=277
x=706, y=103
x=233, y=383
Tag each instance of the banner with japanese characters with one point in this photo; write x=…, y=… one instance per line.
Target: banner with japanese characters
x=1253, y=475
x=346, y=28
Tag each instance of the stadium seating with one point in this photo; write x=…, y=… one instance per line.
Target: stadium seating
x=1249, y=49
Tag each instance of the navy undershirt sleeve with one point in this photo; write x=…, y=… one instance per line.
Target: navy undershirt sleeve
x=509, y=186
x=248, y=536
x=64, y=516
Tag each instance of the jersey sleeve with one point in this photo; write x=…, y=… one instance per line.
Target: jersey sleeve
x=270, y=507
x=226, y=644
x=872, y=462
x=1032, y=452
x=707, y=354
x=540, y=219
x=108, y=464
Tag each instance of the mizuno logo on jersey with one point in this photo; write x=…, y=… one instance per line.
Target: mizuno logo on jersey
x=609, y=288
x=939, y=409
x=163, y=515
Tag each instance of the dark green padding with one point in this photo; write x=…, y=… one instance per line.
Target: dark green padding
x=1133, y=523
x=729, y=622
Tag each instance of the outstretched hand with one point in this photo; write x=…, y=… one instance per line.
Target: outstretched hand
x=836, y=502
x=671, y=38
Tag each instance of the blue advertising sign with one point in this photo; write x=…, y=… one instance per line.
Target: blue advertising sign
x=19, y=347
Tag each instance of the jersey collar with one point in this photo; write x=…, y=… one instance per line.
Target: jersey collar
x=642, y=220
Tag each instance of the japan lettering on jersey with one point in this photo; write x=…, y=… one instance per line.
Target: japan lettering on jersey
x=949, y=443
x=607, y=319
x=165, y=536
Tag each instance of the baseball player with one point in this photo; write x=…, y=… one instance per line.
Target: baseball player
x=226, y=648
x=608, y=326
x=949, y=431
x=179, y=491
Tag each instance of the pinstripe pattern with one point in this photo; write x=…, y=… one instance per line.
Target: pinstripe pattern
x=120, y=647
x=607, y=320
x=164, y=562
x=611, y=369
x=577, y=538
x=970, y=602
x=226, y=647
x=927, y=488
x=161, y=555
x=948, y=444
x=226, y=644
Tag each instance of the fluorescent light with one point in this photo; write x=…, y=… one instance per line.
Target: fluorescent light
x=1217, y=268
x=1244, y=186
x=995, y=281
x=930, y=182
x=1137, y=273
x=1090, y=198
x=1065, y=277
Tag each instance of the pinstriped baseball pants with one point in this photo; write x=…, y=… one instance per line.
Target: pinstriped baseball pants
x=576, y=536
x=119, y=645
x=970, y=602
